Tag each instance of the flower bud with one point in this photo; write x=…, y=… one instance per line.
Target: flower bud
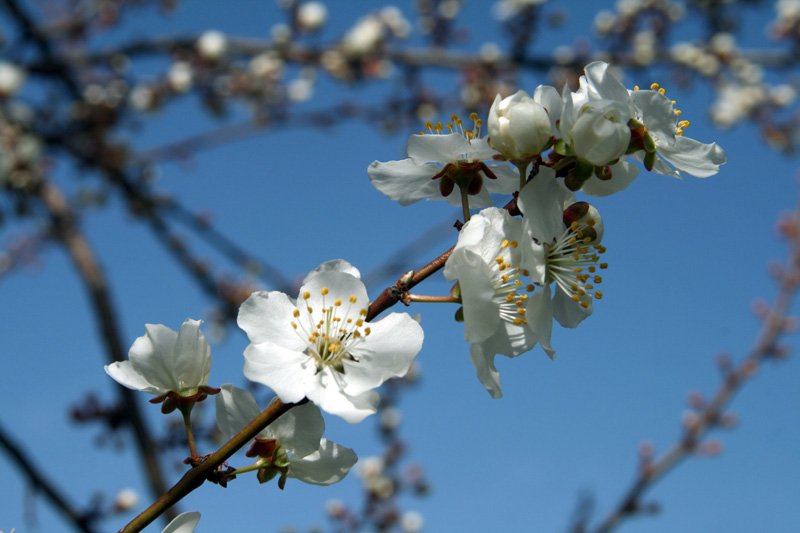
x=600, y=133
x=518, y=126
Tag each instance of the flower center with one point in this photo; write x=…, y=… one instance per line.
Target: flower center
x=572, y=262
x=456, y=125
x=681, y=125
x=332, y=332
x=509, y=287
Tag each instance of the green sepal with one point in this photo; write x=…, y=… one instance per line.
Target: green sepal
x=649, y=160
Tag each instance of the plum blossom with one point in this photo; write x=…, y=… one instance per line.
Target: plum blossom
x=661, y=121
x=290, y=446
x=519, y=126
x=320, y=346
x=183, y=523
x=567, y=236
x=439, y=161
x=494, y=281
x=166, y=362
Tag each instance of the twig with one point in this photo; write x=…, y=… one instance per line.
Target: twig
x=774, y=324
x=105, y=313
x=40, y=483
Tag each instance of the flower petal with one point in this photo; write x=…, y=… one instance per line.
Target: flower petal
x=235, y=409
x=153, y=356
x=623, y=174
x=483, y=361
x=299, y=429
x=445, y=149
x=266, y=317
x=481, y=313
x=567, y=311
x=693, y=157
x=541, y=201
x=328, y=395
x=337, y=265
x=387, y=352
x=326, y=466
x=405, y=182
x=284, y=371
x=540, y=318
x=192, y=354
x=123, y=373
x=183, y=523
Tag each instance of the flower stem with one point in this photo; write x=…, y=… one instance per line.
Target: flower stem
x=465, y=203
x=187, y=423
x=522, y=166
x=433, y=299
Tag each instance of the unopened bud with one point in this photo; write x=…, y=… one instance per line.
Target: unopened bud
x=125, y=500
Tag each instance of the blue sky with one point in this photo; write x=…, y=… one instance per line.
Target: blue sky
x=687, y=259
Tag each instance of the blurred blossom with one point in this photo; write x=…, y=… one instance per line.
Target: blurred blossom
x=508, y=8
x=364, y=37
x=300, y=90
x=723, y=43
x=369, y=467
x=266, y=65
x=490, y=52
x=126, y=499
x=180, y=76
x=390, y=418
x=398, y=25
x=212, y=45
x=281, y=33
x=142, y=98
x=11, y=78
x=411, y=522
x=311, y=16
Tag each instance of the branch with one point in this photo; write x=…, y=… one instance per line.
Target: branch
x=710, y=416
x=94, y=280
x=195, y=477
x=81, y=521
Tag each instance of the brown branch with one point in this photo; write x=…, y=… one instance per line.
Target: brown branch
x=83, y=258
x=40, y=483
x=711, y=415
x=195, y=477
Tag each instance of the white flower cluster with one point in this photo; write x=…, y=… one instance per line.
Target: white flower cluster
x=516, y=275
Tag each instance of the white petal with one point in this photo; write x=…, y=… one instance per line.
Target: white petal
x=606, y=85
x=183, y=523
x=488, y=375
x=437, y=148
x=153, y=356
x=192, y=354
x=235, y=409
x=328, y=395
x=540, y=318
x=124, y=374
x=267, y=317
x=481, y=313
x=548, y=96
x=405, y=182
x=567, y=311
x=299, y=429
x=337, y=265
x=339, y=285
x=622, y=175
x=387, y=352
x=287, y=372
x=693, y=157
x=541, y=201
x=326, y=466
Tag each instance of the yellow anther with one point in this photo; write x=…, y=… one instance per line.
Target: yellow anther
x=577, y=269
x=337, y=302
x=530, y=288
x=353, y=299
x=454, y=117
x=349, y=320
x=635, y=87
x=310, y=310
x=294, y=325
x=510, y=298
x=520, y=311
x=504, y=244
x=519, y=303
x=324, y=291
x=428, y=126
x=662, y=90
x=363, y=312
x=517, y=321
x=367, y=331
x=584, y=304
x=525, y=272
x=598, y=279
x=473, y=116
x=576, y=297
x=359, y=322
x=499, y=260
x=679, y=131
x=654, y=86
x=513, y=244
x=589, y=286
x=598, y=295
x=591, y=222
x=603, y=265
x=306, y=295
x=450, y=127
x=296, y=313
x=479, y=123
x=678, y=112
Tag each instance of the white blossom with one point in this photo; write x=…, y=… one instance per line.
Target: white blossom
x=320, y=346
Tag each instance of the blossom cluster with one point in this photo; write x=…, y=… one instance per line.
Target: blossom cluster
x=516, y=275
x=516, y=269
